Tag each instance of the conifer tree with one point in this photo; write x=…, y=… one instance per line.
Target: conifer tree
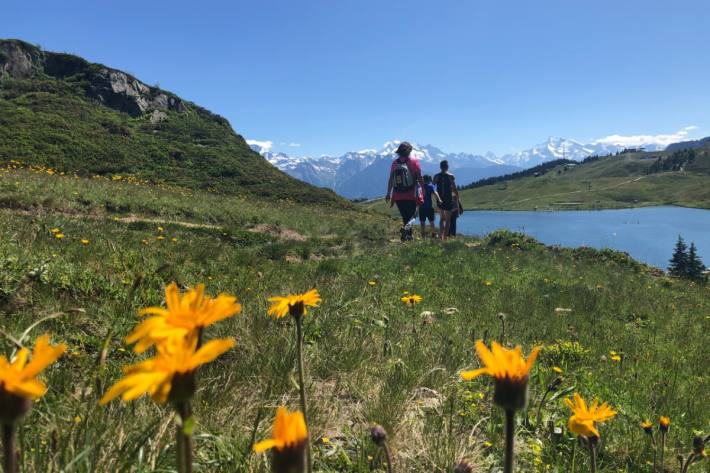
x=695, y=266
x=679, y=262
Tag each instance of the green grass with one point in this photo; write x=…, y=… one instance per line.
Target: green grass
x=255, y=249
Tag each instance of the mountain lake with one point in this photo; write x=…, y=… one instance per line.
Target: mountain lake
x=648, y=234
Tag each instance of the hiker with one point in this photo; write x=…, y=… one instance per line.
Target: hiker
x=426, y=210
x=455, y=214
x=449, y=195
x=405, y=174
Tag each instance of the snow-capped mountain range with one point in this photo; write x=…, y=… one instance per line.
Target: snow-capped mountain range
x=363, y=174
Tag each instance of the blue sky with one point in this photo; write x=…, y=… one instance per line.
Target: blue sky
x=329, y=76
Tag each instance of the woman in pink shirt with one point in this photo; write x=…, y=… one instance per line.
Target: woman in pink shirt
x=405, y=174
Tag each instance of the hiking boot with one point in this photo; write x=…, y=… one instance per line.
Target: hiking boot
x=403, y=234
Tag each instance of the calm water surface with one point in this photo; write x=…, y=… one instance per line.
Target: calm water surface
x=648, y=234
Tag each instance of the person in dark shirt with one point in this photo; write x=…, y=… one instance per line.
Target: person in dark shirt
x=448, y=195
x=426, y=211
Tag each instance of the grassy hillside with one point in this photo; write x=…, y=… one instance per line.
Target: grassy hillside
x=365, y=362
x=60, y=112
x=627, y=180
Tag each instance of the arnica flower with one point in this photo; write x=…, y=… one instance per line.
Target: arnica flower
x=294, y=304
x=55, y=230
x=664, y=423
x=509, y=370
x=84, y=241
x=58, y=236
x=647, y=426
x=183, y=314
x=616, y=358
x=583, y=420
x=411, y=299
x=170, y=375
x=19, y=385
x=288, y=441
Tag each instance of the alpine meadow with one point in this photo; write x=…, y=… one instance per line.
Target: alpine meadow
x=170, y=301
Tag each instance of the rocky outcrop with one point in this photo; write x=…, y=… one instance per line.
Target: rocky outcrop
x=111, y=87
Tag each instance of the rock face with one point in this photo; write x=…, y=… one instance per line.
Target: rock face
x=111, y=87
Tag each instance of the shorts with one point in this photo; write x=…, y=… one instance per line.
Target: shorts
x=448, y=206
x=426, y=214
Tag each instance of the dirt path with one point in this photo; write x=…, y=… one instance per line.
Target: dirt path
x=124, y=219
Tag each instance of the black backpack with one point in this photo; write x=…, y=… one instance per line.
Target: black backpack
x=402, y=176
x=443, y=187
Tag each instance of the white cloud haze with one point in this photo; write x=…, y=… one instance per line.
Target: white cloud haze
x=645, y=140
x=264, y=145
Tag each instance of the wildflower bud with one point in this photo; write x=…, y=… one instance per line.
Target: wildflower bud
x=183, y=387
x=463, y=467
x=378, y=435
x=699, y=446
x=664, y=424
x=12, y=407
x=510, y=394
x=555, y=383
x=297, y=309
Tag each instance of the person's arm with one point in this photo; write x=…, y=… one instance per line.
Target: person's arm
x=454, y=190
x=390, y=184
x=436, y=194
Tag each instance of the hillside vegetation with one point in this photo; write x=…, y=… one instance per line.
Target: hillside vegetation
x=369, y=358
x=60, y=111
x=627, y=180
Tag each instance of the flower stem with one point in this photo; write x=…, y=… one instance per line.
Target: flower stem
x=388, y=456
x=663, y=450
x=592, y=458
x=183, y=438
x=509, y=439
x=302, y=389
x=9, y=453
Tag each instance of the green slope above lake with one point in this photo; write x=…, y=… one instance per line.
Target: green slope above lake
x=60, y=111
x=626, y=180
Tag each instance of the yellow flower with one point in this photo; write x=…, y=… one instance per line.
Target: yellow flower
x=325, y=440
x=58, y=236
x=289, y=431
x=84, y=241
x=502, y=363
x=77, y=419
x=647, y=426
x=173, y=239
x=509, y=370
x=168, y=375
x=583, y=420
x=613, y=353
x=411, y=300
x=295, y=304
x=372, y=282
x=55, y=230
x=182, y=315
x=18, y=378
x=488, y=283
x=557, y=369
x=160, y=238
x=664, y=423
x=616, y=358
x=160, y=229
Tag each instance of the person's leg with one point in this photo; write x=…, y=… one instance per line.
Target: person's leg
x=444, y=224
x=403, y=210
x=452, y=225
